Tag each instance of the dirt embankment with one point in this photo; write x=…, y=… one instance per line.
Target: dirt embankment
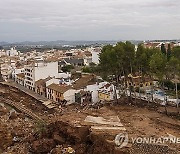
x=20, y=97
x=60, y=136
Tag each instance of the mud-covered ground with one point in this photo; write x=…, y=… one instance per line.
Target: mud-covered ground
x=67, y=130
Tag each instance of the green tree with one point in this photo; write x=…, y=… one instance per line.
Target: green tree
x=87, y=69
x=176, y=52
x=157, y=66
x=117, y=60
x=67, y=68
x=173, y=68
x=163, y=48
x=142, y=59
x=169, y=52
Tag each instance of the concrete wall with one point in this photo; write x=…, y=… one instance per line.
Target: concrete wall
x=69, y=96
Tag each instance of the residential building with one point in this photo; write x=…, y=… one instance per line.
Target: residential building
x=39, y=70
x=107, y=92
x=20, y=78
x=74, y=61
x=136, y=80
x=17, y=70
x=61, y=93
x=93, y=89
x=12, y=52
x=40, y=86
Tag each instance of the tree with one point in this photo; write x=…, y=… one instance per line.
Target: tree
x=109, y=63
x=157, y=66
x=173, y=68
x=169, y=52
x=87, y=69
x=67, y=68
x=92, y=64
x=163, y=49
x=117, y=60
x=176, y=52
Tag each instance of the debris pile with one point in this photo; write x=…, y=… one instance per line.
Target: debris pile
x=5, y=137
x=60, y=136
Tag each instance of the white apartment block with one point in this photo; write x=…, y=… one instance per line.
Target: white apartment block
x=39, y=70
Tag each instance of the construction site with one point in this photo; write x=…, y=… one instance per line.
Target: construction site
x=27, y=126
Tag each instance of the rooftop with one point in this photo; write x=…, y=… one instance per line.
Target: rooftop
x=59, y=88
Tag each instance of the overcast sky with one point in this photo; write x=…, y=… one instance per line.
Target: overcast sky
x=35, y=20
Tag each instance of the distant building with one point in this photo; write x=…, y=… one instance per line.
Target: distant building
x=138, y=81
x=74, y=61
x=95, y=55
x=12, y=52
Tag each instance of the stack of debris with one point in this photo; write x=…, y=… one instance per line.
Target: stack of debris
x=60, y=137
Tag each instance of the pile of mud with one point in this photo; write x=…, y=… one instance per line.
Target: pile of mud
x=5, y=137
x=56, y=137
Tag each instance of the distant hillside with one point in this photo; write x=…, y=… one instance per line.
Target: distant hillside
x=3, y=43
x=75, y=43
x=60, y=43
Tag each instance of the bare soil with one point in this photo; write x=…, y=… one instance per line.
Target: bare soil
x=68, y=129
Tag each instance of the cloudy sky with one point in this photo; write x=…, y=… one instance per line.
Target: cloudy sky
x=35, y=20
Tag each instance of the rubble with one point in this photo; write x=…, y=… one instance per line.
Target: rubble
x=72, y=139
x=3, y=110
x=12, y=115
x=79, y=130
x=5, y=137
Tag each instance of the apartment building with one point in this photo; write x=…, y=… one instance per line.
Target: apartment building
x=39, y=70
